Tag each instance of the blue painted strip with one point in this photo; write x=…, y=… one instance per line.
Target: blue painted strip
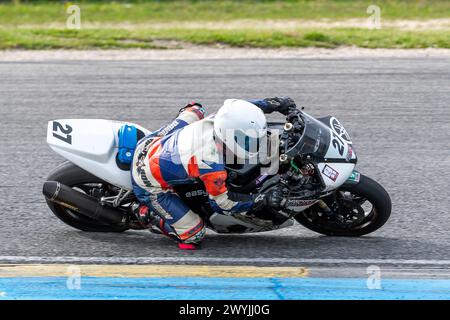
x=220, y=288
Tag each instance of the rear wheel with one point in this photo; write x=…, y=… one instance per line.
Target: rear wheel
x=81, y=180
x=354, y=210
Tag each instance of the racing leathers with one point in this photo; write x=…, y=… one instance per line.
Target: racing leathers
x=181, y=153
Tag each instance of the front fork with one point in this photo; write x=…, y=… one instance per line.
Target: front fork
x=354, y=178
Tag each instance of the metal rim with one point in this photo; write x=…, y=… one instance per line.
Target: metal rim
x=350, y=211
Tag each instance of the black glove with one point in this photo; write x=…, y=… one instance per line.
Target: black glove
x=281, y=104
x=276, y=200
x=272, y=198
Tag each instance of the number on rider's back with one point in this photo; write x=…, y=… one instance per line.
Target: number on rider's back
x=65, y=132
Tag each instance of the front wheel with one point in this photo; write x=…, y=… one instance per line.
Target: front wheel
x=353, y=210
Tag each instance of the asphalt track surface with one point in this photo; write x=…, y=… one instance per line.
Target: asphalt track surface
x=396, y=110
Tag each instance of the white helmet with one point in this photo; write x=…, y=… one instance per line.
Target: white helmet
x=241, y=126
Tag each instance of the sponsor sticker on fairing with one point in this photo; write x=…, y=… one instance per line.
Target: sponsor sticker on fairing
x=349, y=153
x=330, y=172
x=339, y=129
x=355, y=177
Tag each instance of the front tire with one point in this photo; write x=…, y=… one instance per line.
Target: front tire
x=349, y=199
x=72, y=176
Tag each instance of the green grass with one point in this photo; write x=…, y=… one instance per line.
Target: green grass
x=144, y=38
x=41, y=24
x=37, y=12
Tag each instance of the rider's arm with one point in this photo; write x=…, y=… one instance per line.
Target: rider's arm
x=280, y=104
x=222, y=200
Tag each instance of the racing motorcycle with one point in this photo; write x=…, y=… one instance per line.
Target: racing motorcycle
x=314, y=171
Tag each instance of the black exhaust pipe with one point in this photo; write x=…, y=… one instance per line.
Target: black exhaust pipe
x=72, y=199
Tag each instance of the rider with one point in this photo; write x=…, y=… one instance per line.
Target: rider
x=194, y=147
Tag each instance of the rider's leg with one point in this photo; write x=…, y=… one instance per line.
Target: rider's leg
x=169, y=214
x=177, y=217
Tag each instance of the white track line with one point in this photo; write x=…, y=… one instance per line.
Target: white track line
x=204, y=260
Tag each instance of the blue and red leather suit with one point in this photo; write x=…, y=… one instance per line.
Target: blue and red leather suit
x=180, y=153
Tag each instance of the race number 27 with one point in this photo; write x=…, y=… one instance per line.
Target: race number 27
x=62, y=133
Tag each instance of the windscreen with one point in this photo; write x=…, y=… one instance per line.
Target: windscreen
x=315, y=138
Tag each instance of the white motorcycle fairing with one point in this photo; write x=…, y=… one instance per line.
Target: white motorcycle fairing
x=340, y=157
x=91, y=144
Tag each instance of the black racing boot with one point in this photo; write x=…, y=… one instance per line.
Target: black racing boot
x=155, y=224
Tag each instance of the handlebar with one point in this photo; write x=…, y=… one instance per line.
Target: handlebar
x=290, y=137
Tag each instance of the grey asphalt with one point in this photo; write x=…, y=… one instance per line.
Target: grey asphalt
x=396, y=110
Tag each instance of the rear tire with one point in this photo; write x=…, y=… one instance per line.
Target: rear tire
x=71, y=175
x=367, y=189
